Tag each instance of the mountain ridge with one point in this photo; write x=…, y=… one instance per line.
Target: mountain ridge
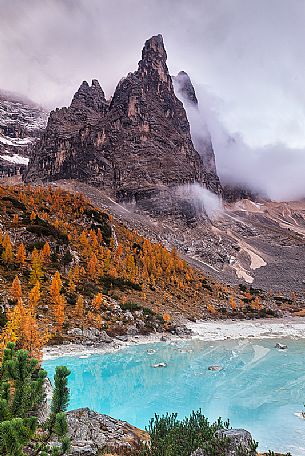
x=136, y=155
x=136, y=146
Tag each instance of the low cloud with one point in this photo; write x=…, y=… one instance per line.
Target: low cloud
x=246, y=52
x=205, y=202
x=276, y=171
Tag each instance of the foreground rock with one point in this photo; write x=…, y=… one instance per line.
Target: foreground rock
x=92, y=433
x=240, y=443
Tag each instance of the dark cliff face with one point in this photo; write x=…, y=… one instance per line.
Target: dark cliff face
x=136, y=146
x=200, y=134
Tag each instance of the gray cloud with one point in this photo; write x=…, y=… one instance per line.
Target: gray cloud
x=275, y=170
x=249, y=55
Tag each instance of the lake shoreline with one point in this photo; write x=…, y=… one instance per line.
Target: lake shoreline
x=210, y=330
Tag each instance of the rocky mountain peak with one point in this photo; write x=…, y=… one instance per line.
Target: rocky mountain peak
x=200, y=133
x=138, y=147
x=185, y=87
x=154, y=50
x=89, y=96
x=153, y=63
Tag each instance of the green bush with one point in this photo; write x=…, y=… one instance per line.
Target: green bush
x=173, y=437
x=118, y=282
x=21, y=396
x=15, y=202
x=100, y=220
x=90, y=289
x=148, y=311
x=41, y=227
x=130, y=306
x=242, y=287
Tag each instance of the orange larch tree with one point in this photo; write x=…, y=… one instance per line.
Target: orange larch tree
x=46, y=252
x=97, y=301
x=59, y=312
x=7, y=254
x=22, y=328
x=232, y=303
x=36, y=270
x=80, y=307
x=21, y=255
x=92, y=266
x=16, y=291
x=34, y=297
x=71, y=282
x=58, y=301
x=32, y=216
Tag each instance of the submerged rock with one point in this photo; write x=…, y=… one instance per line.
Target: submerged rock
x=159, y=365
x=215, y=368
x=300, y=415
x=281, y=346
x=93, y=433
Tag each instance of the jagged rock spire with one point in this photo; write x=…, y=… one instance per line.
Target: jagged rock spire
x=154, y=49
x=185, y=87
x=154, y=58
x=89, y=96
x=137, y=146
x=200, y=134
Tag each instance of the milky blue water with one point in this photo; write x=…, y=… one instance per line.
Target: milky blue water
x=260, y=388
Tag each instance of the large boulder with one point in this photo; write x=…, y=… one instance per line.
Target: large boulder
x=93, y=433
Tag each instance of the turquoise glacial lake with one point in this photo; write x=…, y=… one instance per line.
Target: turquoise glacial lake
x=260, y=388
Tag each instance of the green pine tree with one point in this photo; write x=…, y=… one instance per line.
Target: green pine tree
x=21, y=395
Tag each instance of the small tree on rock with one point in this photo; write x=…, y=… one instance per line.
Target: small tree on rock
x=21, y=395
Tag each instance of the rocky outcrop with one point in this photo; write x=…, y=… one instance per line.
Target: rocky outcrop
x=92, y=434
x=240, y=443
x=138, y=147
x=200, y=133
x=232, y=193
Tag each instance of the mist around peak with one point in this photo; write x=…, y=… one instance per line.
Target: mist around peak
x=274, y=171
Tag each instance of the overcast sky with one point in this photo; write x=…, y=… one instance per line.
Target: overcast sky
x=249, y=53
x=246, y=56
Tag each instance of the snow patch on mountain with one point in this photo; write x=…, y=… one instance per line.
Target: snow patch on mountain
x=15, y=158
x=16, y=141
